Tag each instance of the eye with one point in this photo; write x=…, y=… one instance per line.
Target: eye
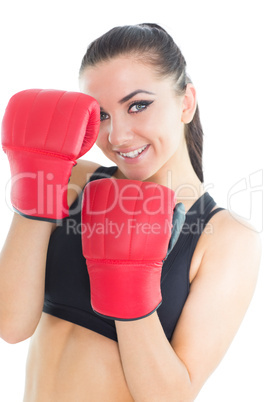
x=103, y=116
x=137, y=107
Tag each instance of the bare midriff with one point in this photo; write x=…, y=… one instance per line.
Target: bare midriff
x=69, y=363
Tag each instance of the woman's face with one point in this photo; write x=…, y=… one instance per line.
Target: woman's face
x=141, y=128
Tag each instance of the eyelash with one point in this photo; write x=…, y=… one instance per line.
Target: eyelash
x=140, y=103
x=145, y=105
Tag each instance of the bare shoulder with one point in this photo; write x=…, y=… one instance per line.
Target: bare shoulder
x=226, y=237
x=234, y=241
x=230, y=230
x=81, y=173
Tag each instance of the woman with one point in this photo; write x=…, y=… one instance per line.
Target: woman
x=150, y=130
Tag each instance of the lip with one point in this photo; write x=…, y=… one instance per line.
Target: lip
x=127, y=150
x=137, y=158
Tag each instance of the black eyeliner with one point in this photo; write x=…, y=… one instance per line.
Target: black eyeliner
x=143, y=103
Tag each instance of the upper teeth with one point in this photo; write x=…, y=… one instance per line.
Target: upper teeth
x=133, y=154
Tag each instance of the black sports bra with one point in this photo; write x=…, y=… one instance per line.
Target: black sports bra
x=67, y=286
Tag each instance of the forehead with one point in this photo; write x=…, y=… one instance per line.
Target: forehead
x=120, y=75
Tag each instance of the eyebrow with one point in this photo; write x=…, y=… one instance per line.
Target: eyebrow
x=138, y=91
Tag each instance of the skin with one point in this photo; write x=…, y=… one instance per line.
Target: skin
x=67, y=362
x=125, y=126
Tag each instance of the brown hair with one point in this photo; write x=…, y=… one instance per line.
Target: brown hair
x=152, y=43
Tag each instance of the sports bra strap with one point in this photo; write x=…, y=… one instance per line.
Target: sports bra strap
x=103, y=172
x=212, y=213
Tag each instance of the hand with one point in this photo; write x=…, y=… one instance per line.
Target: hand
x=43, y=133
x=127, y=227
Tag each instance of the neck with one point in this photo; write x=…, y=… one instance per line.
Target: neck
x=179, y=175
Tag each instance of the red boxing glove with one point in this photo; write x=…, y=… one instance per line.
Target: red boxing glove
x=43, y=133
x=126, y=231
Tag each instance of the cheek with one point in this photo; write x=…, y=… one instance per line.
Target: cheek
x=102, y=138
x=148, y=125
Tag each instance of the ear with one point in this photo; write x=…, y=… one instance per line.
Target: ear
x=189, y=104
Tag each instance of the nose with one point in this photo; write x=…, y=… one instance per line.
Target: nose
x=119, y=133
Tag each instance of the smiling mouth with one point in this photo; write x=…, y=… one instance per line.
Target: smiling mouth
x=133, y=154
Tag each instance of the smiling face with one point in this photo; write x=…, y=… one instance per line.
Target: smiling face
x=142, y=128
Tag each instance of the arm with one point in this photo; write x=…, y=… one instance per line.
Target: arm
x=22, y=266
x=22, y=277
x=219, y=297
x=152, y=369
x=41, y=158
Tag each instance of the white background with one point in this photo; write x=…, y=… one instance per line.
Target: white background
x=225, y=45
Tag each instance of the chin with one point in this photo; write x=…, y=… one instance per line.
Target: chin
x=135, y=175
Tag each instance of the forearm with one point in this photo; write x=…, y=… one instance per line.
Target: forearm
x=152, y=369
x=22, y=276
